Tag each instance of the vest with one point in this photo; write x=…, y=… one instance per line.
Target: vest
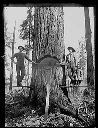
x=71, y=60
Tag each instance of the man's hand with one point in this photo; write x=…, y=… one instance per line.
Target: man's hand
x=34, y=62
x=62, y=63
x=14, y=62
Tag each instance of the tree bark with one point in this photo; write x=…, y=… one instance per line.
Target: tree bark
x=48, y=74
x=46, y=94
x=90, y=67
x=46, y=87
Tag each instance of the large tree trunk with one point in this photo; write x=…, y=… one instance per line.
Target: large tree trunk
x=90, y=68
x=47, y=75
x=49, y=34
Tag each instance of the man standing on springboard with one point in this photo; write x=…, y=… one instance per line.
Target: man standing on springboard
x=20, y=67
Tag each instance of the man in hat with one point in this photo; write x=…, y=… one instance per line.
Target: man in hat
x=71, y=61
x=20, y=67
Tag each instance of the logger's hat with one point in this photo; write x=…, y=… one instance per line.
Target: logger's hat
x=70, y=48
x=21, y=47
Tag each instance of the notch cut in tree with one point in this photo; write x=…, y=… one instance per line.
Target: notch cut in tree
x=47, y=78
x=46, y=93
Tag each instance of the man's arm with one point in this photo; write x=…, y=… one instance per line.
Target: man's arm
x=67, y=59
x=75, y=61
x=29, y=59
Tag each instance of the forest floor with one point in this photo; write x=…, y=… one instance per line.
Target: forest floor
x=30, y=118
x=34, y=120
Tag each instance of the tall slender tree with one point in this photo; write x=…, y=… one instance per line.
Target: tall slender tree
x=11, y=73
x=27, y=28
x=6, y=33
x=8, y=39
x=90, y=67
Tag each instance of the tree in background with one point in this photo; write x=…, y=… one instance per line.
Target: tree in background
x=90, y=67
x=13, y=42
x=8, y=42
x=6, y=36
x=27, y=27
x=83, y=59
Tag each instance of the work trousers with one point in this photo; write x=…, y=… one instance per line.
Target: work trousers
x=20, y=73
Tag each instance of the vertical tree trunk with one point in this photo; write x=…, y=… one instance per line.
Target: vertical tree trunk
x=90, y=68
x=49, y=31
x=11, y=73
x=46, y=76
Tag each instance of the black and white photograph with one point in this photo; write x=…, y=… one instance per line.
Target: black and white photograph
x=49, y=62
